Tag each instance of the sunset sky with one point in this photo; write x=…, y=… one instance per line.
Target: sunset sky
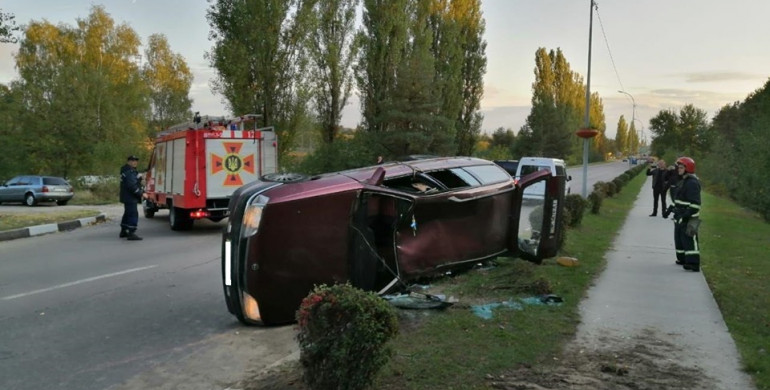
x=666, y=53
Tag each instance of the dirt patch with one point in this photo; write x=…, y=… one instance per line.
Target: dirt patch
x=644, y=362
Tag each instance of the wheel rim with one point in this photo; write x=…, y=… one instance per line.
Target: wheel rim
x=284, y=177
x=30, y=200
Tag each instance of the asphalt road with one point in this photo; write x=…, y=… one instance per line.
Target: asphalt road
x=86, y=310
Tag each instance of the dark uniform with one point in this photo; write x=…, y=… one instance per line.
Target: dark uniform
x=130, y=196
x=659, y=188
x=686, y=206
x=672, y=180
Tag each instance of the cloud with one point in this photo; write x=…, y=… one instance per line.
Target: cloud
x=708, y=77
x=507, y=117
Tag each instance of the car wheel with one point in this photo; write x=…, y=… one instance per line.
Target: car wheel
x=179, y=219
x=149, y=210
x=288, y=177
x=30, y=200
x=62, y=202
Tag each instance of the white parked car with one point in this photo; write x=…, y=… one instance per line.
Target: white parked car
x=528, y=165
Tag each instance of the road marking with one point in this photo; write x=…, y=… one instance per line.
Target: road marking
x=8, y=298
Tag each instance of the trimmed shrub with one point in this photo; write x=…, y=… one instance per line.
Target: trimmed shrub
x=574, y=207
x=601, y=188
x=618, y=184
x=612, y=189
x=595, y=199
x=342, y=337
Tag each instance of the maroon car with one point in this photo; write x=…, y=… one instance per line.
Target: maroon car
x=378, y=227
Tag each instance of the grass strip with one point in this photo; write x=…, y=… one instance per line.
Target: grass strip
x=457, y=349
x=734, y=245
x=10, y=221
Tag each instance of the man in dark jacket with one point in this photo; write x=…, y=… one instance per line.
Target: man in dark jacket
x=659, y=186
x=687, y=212
x=130, y=195
x=672, y=180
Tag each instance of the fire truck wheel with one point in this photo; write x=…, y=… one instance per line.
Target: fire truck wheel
x=288, y=177
x=179, y=219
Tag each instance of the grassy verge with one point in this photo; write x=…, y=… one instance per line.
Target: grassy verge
x=10, y=221
x=457, y=349
x=734, y=250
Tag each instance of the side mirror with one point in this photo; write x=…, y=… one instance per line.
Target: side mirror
x=569, y=177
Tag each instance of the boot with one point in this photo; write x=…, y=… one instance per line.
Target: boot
x=692, y=267
x=133, y=237
x=123, y=233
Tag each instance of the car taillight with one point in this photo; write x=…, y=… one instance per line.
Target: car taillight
x=45, y=189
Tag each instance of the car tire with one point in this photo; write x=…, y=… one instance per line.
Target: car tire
x=29, y=199
x=62, y=202
x=149, y=209
x=288, y=177
x=179, y=220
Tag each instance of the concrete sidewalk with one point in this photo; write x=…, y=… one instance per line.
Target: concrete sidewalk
x=644, y=299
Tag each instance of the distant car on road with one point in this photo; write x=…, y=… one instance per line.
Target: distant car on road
x=378, y=227
x=30, y=190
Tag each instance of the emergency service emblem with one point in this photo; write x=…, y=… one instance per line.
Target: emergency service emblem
x=232, y=164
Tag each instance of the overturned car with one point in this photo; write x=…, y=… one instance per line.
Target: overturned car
x=378, y=228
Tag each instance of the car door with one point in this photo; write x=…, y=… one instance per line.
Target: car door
x=537, y=224
x=7, y=188
x=464, y=222
x=14, y=190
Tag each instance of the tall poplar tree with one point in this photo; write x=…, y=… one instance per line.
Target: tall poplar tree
x=383, y=39
x=332, y=47
x=467, y=14
x=259, y=60
x=169, y=79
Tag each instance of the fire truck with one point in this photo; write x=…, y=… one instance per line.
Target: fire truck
x=196, y=166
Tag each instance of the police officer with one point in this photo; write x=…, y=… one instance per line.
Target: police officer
x=130, y=195
x=687, y=207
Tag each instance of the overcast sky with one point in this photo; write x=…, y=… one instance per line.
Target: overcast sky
x=666, y=53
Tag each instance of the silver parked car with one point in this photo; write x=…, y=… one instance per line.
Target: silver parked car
x=30, y=190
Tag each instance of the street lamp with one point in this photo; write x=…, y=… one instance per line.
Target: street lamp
x=633, y=109
x=587, y=132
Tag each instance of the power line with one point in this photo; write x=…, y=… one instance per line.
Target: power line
x=607, y=42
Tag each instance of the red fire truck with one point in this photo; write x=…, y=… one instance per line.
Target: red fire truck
x=196, y=166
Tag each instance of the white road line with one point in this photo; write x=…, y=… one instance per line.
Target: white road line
x=8, y=298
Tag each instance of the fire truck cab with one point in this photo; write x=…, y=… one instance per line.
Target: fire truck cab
x=196, y=166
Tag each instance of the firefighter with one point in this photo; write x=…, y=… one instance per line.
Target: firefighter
x=686, y=209
x=130, y=195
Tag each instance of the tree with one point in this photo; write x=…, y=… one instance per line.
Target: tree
x=83, y=95
x=7, y=27
x=621, y=137
x=685, y=132
x=260, y=65
x=383, y=39
x=169, y=79
x=467, y=15
x=332, y=48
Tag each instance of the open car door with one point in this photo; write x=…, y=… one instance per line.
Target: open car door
x=537, y=229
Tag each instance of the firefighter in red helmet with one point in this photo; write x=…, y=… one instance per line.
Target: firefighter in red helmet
x=686, y=211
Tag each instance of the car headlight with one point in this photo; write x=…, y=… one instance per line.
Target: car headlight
x=253, y=215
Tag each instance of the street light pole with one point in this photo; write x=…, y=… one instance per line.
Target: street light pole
x=587, y=119
x=633, y=108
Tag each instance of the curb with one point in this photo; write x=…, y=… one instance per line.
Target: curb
x=50, y=228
